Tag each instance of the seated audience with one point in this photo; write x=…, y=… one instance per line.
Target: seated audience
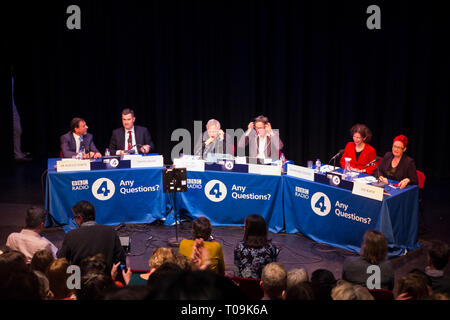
x=29, y=240
x=438, y=255
x=273, y=281
x=41, y=260
x=255, y=251
x=95, y=286
x=91, y=238
x=300, y=291
x=296, y=276
x=160, y=255
x=322, y=282
x=412, y=286
x=44, y=286
x=193, y=249
x=345, y=290
x=57, y=276
x=374, y=251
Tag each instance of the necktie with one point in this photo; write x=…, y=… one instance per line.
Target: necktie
x=81, y=144
x=130, y=140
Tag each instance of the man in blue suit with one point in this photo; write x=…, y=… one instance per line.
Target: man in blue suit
x=130, y=138
x=78, y=140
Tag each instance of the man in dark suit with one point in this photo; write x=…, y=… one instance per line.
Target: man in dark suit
x=78, y=140
x=90, y=238
x=130, y=138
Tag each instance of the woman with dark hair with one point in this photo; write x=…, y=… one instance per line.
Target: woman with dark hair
x=255, y=250
x=396, y=165
x=374, y=250
x=203, y=252
x=359, y=150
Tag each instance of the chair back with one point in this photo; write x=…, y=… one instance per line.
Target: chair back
x=420, y=179
x=250, y=287
x=382, y=294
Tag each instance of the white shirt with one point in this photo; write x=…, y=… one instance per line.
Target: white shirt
x=77, y=141
x=28, y=242
x=133, y=143
x=262, y=147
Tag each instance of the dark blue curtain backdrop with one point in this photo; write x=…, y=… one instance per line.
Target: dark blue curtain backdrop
x=312, y=67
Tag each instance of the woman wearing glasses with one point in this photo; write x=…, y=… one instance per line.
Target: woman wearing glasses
x=396, y=165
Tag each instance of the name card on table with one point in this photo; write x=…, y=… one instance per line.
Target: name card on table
x=147, y=162
x=264, y=170
x=73, y=165
x=190, y=164
x=367, y=191
x=300, y=172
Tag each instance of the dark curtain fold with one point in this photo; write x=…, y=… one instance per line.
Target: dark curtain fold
x=312, y=67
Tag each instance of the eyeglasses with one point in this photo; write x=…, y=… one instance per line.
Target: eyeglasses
x=397, y=147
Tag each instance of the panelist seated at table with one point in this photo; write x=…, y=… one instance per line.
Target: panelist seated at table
x=263, y=142
x=130, y=138
x=396, y=165
x=359, y=150
x=213, y=140
x=78, y=140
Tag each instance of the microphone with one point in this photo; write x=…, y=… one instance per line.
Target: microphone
x=371, y=163
x=337, y=155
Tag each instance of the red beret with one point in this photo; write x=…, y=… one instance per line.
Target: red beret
x=403, y=139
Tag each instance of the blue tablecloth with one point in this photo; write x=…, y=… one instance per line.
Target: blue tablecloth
x=120, y=195
x=226, y=198
x=335, y=216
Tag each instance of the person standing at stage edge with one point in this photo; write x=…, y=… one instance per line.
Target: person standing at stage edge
x=130, y=138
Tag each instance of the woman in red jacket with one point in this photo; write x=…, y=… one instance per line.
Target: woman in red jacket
x=360, y=151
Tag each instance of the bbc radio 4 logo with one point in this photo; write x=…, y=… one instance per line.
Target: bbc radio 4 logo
x=320, y=204
x=215, y=190
x=103, y=189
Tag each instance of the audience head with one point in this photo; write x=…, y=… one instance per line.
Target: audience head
x=44, y=286
x=255, y=231
x=83, y=211
x=414, y=285
x=159, y=256
x=57, y=276
x=163, y=272
x=195, y=285
x=95, y=286
x=127, y=293
x=41, y=260
x=322, y=281
x=201, y=228
x=296, y=276
x=94, y=265
x=35, y=218
x=273, y=280
x=374, y=248
x=17, y=282
x=300, y=291
x=438, y=254
x=345, y=290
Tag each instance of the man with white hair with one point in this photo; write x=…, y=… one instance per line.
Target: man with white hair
x=213, y=140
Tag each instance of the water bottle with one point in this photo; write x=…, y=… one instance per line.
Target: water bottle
x=79, y=156
x=283, y=162
x=318, y=164
x=107, y=154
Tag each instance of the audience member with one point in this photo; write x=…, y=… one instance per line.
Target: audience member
x=300, y=291
x=438, y=255
x=57, y=276
x=345, y=290
x=41, y=260
x=29, y=240
x=160, y=255
x=195, y=249
x=322, y=282
x=44, y=286
x=195, y=285
x=17, y=282
x=133, y=292
x=91, y=238
x=95, y=286
x=255, y=251
x=163, y=272
x=374, y=251
x=296, y=276
x=273, y=281
x=412, y=286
